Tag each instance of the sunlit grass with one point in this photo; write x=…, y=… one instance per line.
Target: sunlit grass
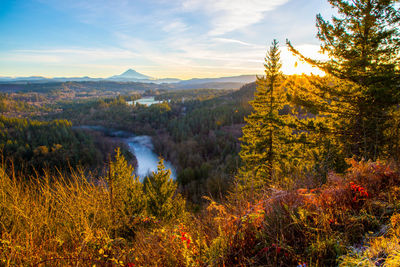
x=68, y=220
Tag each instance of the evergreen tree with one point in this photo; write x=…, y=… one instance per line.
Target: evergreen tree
x=361, y=89
x=267, y=142
x=163, y=200
x=127, y=198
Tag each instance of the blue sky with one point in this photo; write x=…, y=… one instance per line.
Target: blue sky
x=160, y=38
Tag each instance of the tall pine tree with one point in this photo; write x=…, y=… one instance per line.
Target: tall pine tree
x=361, y=92
x=267, y=142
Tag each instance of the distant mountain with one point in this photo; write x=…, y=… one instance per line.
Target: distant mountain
x=75, y=79
x=233, y=79
x=233, y=82
x=130, y=75
x=40, y=79
x=134, y=76
x=17, y=79
x=165, y=80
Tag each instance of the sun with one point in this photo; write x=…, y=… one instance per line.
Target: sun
x=293, y=65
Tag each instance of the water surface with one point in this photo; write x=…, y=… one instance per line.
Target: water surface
x=148, y=101
x=142, y=148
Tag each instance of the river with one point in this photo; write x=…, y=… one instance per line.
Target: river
x=141, y=146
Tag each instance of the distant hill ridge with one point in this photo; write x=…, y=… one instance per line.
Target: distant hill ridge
x=133, y=76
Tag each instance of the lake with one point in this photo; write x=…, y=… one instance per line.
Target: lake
x=145, y=101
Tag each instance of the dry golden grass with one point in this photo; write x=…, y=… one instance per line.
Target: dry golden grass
x=51, y=218
x=58, y=221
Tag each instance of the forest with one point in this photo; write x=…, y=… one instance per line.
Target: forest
x=290, y=170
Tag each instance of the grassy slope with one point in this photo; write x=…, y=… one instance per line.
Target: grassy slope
x=353, y=218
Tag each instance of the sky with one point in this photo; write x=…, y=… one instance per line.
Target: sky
x=160, y=38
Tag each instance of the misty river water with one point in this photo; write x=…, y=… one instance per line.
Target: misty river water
x=141, y=146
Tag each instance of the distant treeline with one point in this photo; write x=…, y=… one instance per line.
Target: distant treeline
x=11, y=105
x=123, y=87
x=33, y=145
x=103, y=86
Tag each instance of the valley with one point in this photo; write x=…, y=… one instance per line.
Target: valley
x=137, y=133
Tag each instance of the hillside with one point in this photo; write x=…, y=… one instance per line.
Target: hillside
x=274, y=170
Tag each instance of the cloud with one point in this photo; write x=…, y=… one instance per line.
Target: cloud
x=71, y=61
x=230, y=15
x=116, y=14
x=161, y=38
x=175, y=26
x=234, y=41
x=69, y=54
x=189, y=56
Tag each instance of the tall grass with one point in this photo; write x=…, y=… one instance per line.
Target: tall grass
x=51, y=219
x=57, y=221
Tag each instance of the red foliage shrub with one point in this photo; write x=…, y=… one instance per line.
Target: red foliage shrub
x=375, y=177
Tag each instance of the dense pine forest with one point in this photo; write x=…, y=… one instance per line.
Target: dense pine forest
x=290, y=170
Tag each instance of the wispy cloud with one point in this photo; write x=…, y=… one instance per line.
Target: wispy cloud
x=68, y=54
x=230, y=15
x=223, y=16
x=234, y=41
x=180, y=56
x=175, y=26
x=65, y=61
x=117, y=14
x=181, y=38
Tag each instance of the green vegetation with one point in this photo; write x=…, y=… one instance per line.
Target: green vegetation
x=199, y=136
x=126, y=195
x=358, y=100
x=315, y=181
x=194, y=94
x=15, y=107
x=66, y=220
x=269, y=146
x=162, y=200
x=33, y=145
x=58, y=221
x=84, y=87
